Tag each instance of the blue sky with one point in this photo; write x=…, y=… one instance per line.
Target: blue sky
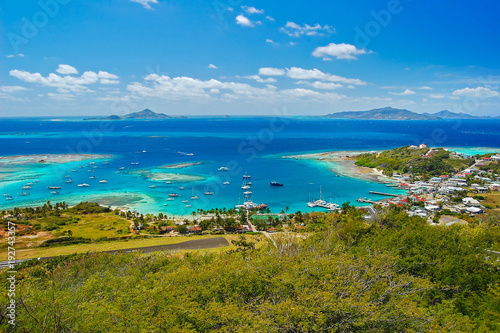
x=72, y=57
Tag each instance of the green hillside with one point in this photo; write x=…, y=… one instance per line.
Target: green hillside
x=396, y=274
x=408, y=160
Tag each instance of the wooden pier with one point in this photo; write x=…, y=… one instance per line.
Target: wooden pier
x=365, y=201
x=386, y=194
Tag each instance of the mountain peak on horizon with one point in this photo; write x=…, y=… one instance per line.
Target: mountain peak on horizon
x=145, y=114
x=385, y=113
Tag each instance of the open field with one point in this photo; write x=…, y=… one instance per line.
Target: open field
x=99, y=247
x=120, y=245
x=492, y=199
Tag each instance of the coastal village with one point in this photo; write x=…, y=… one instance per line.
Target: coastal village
x=447, y=194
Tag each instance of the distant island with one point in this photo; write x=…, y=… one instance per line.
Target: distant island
x=144, y=114
x=389, y=113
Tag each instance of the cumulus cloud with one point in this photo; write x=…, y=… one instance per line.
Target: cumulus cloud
x=66, y=69
x=252, y=10
x=339, y=51
x=15, y=55
x=243, y=21
x=270, y=18
x=425, y=88
x=61, y=97
x=295, y=30
x=321, y=85
x=476, y=92
x=260, y=79
x=146, y=3
x=270, y=41
x=12, y=89
x=186, y=87
x=315, y=74
x=212, y=66
x=406, y=92
x=270, y=71
x=66, y=83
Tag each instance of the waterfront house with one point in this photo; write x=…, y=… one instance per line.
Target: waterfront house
x=473, y=210
x=495, y=187
x=432, y=208
x=471, y=202
x=167, y=230
x=194, y=230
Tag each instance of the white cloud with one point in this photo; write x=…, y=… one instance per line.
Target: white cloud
x=252, y=10
x=212, y=66
x=270, y=18
x=66, y=83
x=259, y=79
x=243, y=21
x=146, y=3
x=437, y=96
x=187, y=88
x=66, y=69
x=12, y=89
x=270, y=71
x=321, y=85
x=407, y=92
x=315, y=74
x=294, y=30
x=339, y=51
x=270, y=41
x=476, y=92
x=61, y=97
x=15, y=55
x=425, y=88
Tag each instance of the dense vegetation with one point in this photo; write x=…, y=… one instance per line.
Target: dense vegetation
x=407, y=160
x=396, y=273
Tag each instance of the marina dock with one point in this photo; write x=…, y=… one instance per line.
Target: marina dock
x=386, y=194
x=361, y=200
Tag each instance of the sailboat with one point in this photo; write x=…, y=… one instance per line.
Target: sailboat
x=207, y=192
x=245, y=186
x=193, y=197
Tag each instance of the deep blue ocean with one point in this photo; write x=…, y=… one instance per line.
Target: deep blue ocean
x=252, y=145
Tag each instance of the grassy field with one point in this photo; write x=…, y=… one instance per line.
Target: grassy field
x=96, y=226
x=492, y=199
x=93, y=226
x=119, y=245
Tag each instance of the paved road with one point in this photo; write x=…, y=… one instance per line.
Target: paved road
x=197, y=244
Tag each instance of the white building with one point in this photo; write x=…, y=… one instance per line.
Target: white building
x=471, y=202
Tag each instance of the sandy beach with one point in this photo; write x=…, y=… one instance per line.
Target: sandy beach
x=165, y=176
x=342, y=163
x=180, y=165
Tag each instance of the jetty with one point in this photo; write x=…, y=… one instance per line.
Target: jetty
x=386, y=194
x=361, y=200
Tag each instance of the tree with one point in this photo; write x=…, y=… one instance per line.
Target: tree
x=182, y=229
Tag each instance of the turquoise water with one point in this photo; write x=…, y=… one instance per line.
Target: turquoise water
x=245, y=145
x=475, y=151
